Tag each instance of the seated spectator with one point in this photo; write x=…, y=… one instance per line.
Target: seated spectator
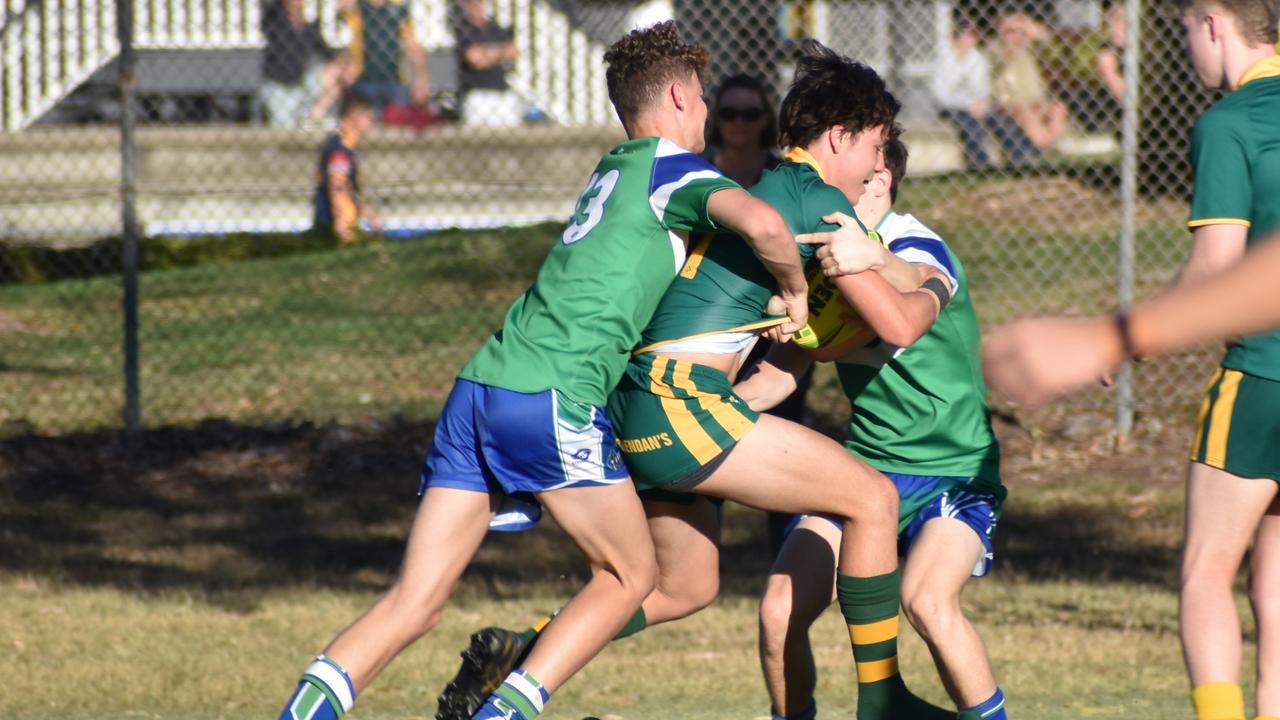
x=339, y=203
x=1019, y=88
x=295, y=63
x=485, y=54
x=961, y=85
x=381, y=32
x=1109, y=62
x=744, y=130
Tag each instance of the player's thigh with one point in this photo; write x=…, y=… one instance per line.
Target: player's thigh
x=802, y=582
x=1222, y=514
x=447, y=530
x=686, y=540
x=608, y=525
x=941, y=560
x=780, y=465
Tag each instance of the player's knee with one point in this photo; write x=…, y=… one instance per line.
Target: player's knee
x=636, y=574
x=933, y=614
x=415, y=611
x=875, y=502
x=1207, y=570
x=775, y=611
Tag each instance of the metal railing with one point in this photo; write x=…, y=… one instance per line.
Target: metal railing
x=50, y=48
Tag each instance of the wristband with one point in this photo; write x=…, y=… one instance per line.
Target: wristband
x=1126, y=337
x=936, y=286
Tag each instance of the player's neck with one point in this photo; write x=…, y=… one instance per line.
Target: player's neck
x=872, y=213
x=659, y=125
x=1236, y=65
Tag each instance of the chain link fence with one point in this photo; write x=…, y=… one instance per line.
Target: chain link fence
x=489, y=117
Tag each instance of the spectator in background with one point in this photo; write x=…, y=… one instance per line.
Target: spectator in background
x=485, y=54
x=339, y=203
x=1109, y=60
x=295, y=63
x=744, y=130
x=381, y=32
x=1018, y=86
x=961, y=85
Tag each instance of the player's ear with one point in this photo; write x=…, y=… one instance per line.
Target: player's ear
x=678, y=90
x=835, y=138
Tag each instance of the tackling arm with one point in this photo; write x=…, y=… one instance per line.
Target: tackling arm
x=770, y=239
x=896, y=317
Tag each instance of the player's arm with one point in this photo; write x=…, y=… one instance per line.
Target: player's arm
x=850, y=249
x=342, y=196
x=774, y=378
x=771, y=240
x=1221, y=201
x=898, y=318
x=1213, y=249
x=1037, y=359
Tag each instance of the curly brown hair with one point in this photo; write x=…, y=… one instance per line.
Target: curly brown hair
x=644, y=61
x=830, y=89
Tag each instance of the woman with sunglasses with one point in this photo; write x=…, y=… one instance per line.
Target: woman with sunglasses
x=744, y=130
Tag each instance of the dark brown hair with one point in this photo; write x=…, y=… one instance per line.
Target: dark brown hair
x=644, y=61
x=353, y=99
x=1256, y=19
x=743, y=81
x=829, y=90
x=895, y=160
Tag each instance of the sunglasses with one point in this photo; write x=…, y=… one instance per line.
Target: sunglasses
x=729, y=114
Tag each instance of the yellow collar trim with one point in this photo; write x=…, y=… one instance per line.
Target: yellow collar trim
x=1269, y=67
x=800, y=155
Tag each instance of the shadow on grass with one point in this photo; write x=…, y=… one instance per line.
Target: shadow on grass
x=227, y=512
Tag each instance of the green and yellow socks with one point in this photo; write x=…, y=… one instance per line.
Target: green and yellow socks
x=324, y=693
x=1218, y=701
x=870, y=608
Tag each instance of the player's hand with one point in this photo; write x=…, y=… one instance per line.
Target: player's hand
x=1032, y=361
x=795, y=307
x=846, y=251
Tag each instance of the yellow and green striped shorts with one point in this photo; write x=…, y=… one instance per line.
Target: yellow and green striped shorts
x=673, y=418
x=1239, y=425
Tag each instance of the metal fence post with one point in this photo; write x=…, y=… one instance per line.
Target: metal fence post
x=1128, y=202
x=128, y=215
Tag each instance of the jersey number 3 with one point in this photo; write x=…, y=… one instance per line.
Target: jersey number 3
x=590, y=207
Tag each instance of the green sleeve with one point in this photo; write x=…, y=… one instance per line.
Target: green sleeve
x=687, y=208
x=822, y=199
x=1223, y=191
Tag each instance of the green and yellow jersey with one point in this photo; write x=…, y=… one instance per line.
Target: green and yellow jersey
x=1235, y=149
x=724, y=285
x=574, y=328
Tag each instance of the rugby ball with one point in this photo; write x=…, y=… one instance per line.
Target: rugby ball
x=832, y=321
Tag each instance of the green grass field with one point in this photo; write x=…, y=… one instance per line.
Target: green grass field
x=192, y=571
x=194, y=576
